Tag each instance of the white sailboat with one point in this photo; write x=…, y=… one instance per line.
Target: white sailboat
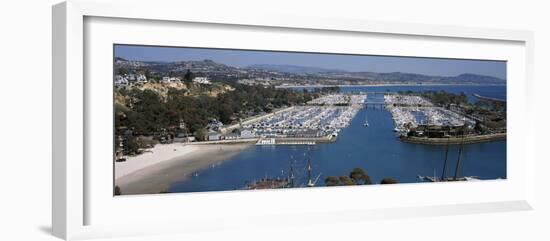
x=311, y=182
x=366, y=124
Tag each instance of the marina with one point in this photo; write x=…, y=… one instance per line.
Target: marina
x=406, y=118
x=246, y=122
x=324, y=117
x=376, y=149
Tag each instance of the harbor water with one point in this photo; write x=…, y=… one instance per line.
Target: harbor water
x=375, y=149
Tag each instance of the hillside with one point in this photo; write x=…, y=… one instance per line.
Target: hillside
x=292, y=69
x=266, y=74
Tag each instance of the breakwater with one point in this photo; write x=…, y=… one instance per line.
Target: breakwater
x=454, y=140
x=488, y=98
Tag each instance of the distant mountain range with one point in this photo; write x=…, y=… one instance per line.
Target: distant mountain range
x=292, y=69
x=292, y=74
x=374, y=76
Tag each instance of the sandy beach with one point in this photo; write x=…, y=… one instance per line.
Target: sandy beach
x=155, y=170
x=150, y=157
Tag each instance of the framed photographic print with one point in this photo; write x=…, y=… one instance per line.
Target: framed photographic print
x=161, y=118
x=204, y=119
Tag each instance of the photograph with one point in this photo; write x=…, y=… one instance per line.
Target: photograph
x=193, y=119
x=274, y=120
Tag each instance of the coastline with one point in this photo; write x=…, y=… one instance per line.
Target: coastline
x=164, y=169
x=383, y=85
x=159, y=153
x=454, y=140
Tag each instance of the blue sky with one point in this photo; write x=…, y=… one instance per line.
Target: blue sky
x=383, y=64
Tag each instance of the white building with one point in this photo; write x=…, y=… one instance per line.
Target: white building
x=267, y=141
x=247, y=133
x=201, y=80
x=167, y=79
x=141, y=78
x=246, y=82
x=130, y=77
x=214, y=124
x=184, y=139
x=120, y=80
x=213, y=136
x=231, y=136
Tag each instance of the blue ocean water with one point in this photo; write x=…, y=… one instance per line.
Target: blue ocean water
x=494, y=91
x=374, y=148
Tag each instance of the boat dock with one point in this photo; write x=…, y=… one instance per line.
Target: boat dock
x=294, y=141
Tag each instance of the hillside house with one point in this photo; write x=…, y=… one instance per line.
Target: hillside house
x=202, y=80
x=213, y=136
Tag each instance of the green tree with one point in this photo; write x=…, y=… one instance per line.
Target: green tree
x=332, y=181
x=122, y=71
x=200, y=134
x=132, y=146
x=189, y=76
x=345, y=180
x=478, y=127
x=360, y=176
x=388, y=180
x=225, y=113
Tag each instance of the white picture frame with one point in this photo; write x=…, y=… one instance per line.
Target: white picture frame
x=73, y=194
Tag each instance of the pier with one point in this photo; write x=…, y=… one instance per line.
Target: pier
x=488, y=98
x=374, y=105
x=295, y=141
x=378, y=92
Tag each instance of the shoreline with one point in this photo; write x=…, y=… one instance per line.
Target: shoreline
x=166, y=170
x=158, y=154
x=454, y=140
x=382, y=85
x=488, y=98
